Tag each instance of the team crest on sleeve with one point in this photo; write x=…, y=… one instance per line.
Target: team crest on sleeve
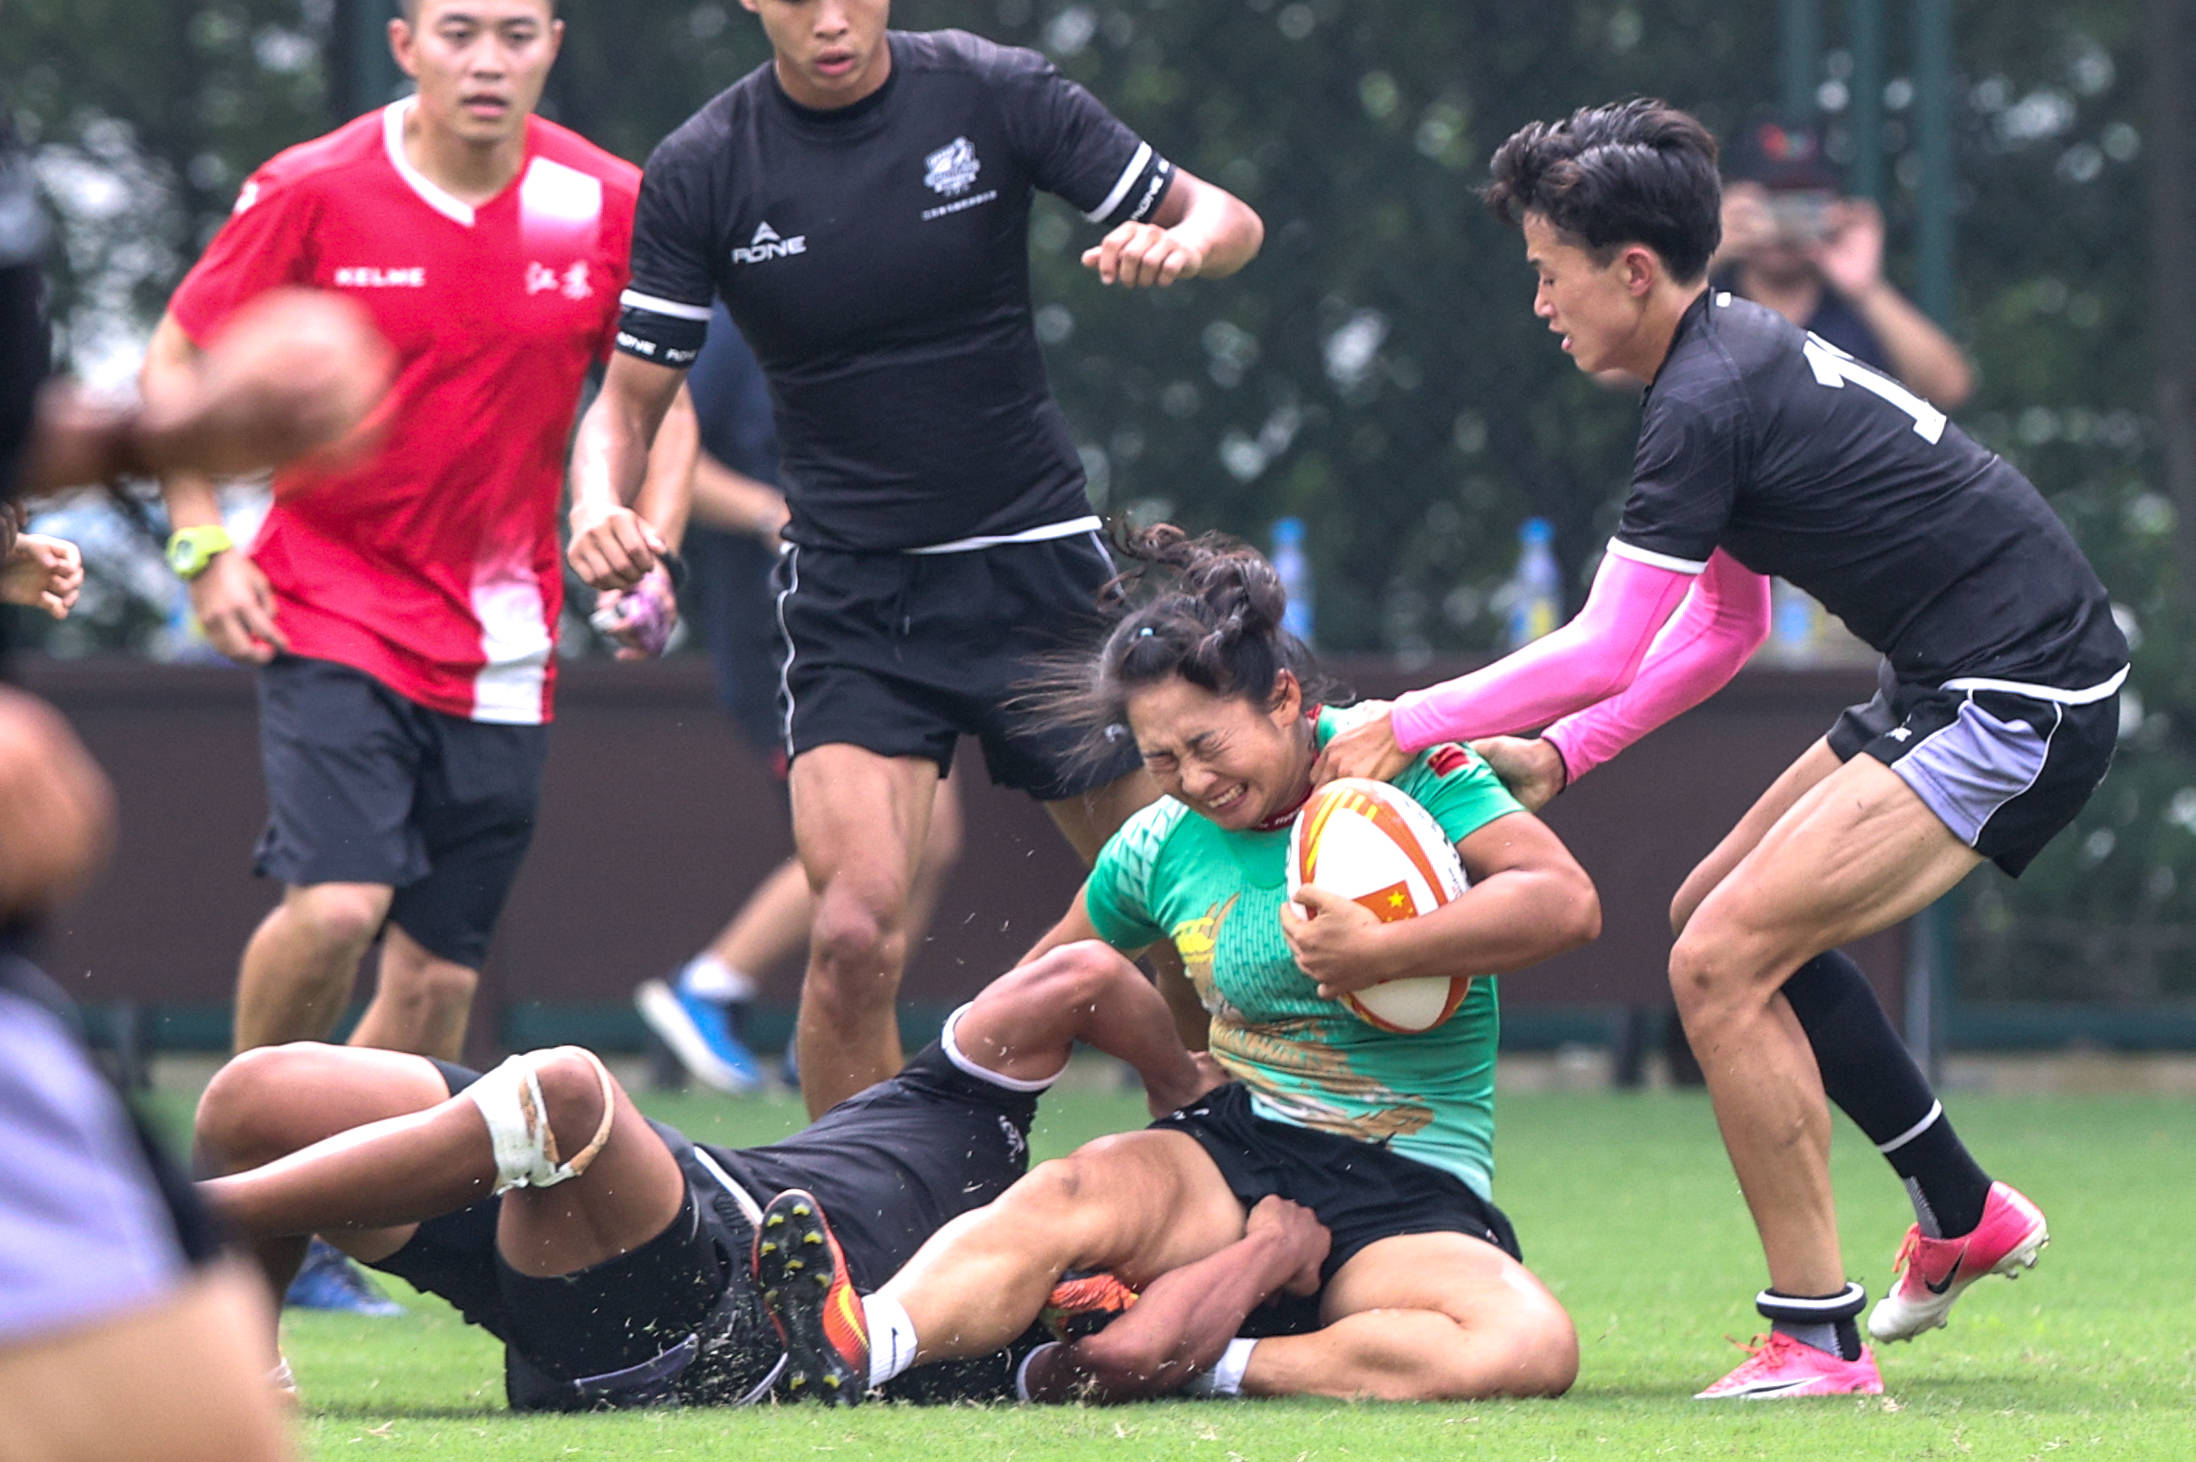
x=952, y=169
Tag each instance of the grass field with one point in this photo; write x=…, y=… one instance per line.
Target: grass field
x=1626, y=1208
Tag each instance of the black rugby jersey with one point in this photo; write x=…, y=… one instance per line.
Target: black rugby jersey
x=876, y=258
x=1778, y=447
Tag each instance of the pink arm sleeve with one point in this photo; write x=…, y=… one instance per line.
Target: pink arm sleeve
x=1724, y=621
x=1588, y=660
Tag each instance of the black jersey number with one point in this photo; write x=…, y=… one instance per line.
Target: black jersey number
x=1835, y=369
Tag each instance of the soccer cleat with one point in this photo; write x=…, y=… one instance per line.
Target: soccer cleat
x=1084, y=1305
x=699, y=1033
x=1933, y=1272
x=802, y=1274
x=329, y=1280
x=1777, y=1366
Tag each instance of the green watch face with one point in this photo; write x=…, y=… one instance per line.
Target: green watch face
x=190, y=550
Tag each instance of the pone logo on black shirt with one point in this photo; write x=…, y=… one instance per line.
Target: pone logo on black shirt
x=767, y=245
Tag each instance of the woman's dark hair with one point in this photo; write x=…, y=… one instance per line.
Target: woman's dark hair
x=1205, y=609
x=1638, y=171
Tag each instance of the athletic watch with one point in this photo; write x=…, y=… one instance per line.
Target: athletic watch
x=191, y=549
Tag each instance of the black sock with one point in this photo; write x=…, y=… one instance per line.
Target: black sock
x=1869, y=1073
x=1827, y=1322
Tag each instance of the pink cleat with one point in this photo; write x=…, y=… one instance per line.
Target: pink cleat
x=1932, y=1272
x=1778, y=1366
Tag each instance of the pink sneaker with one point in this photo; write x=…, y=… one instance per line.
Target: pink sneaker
x=1932, y=1272
x=1778, y=1366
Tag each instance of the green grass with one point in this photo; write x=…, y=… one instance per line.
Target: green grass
x=1627, y=1209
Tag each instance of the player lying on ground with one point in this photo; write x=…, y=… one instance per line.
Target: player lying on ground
x=1763, y=450
x=1387, y=1138
x=611, y=1255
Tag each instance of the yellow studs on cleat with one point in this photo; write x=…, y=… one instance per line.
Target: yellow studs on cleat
x=812, y=1238
x=802, y=1210
x=774, y=1220
x=770, y=1296
x=768, y=1247
x=794, y=1266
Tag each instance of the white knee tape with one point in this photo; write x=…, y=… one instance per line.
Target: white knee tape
x=510, y=1102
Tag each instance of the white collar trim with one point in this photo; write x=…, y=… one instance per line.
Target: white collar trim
x=432, y=194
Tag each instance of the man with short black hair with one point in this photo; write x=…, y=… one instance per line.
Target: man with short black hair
x=861, y=202
x=1763, y=450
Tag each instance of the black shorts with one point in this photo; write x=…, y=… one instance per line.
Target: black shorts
x=903, y=653
x=1362, y=1192
x=678, y=1319
x=365, y=786
x=2003, y=766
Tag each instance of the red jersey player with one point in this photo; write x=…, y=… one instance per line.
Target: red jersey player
x=403, y=604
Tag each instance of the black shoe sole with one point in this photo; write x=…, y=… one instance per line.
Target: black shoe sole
x=797, y=1263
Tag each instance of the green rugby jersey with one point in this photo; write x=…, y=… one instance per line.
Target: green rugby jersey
x=1170, y=874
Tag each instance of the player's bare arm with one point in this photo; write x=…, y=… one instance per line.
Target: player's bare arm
x=639, y=620
x=1528, y=901
x=1199, y=230
x=613, y=545
x=1529, y=766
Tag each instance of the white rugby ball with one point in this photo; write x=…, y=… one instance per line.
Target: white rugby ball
x=1375, y=846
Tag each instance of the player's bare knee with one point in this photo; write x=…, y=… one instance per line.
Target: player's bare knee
x=237, y=1126
x=339, y=916
x=1546, y=1350
x=853, y=939
x=428, y=984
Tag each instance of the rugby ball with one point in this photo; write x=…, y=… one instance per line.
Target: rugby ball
x=1375, y=846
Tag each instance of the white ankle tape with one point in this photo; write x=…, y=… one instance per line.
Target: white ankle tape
x=510, y=1102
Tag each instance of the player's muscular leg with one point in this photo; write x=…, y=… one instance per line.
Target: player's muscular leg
x=1137, y=1204
x=859, y=821
x=421, y=1001
x=1856, y=853
x=1815, y=763
x=303, y=959
x=1425, y=1317
x=274, y=1100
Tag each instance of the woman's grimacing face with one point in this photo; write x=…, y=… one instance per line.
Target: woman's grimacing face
x=1231, y=760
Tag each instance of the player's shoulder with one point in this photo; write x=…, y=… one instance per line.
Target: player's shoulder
x=947, y=52
x=563, y=146
x=705, y=138
x=1140, y=840
x=322, y=162
x=1719, y=361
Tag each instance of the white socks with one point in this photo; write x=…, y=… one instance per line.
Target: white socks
x=711, y=978
x=891, y=1338
x=1226, y=1376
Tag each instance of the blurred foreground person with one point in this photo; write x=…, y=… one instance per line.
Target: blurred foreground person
x=122, y=1334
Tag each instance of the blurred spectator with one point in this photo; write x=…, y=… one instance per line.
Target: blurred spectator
x=1791, y=242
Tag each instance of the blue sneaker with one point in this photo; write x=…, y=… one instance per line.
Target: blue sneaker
x=330, y=1281
x=699, y=1033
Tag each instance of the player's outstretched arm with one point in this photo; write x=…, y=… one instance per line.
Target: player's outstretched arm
x=1592, y=657
x=1182, y=1322
x=1725, y=619
x=613, y=545
x=1198, y=230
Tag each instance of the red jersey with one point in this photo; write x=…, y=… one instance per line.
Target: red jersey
x=434, y=566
